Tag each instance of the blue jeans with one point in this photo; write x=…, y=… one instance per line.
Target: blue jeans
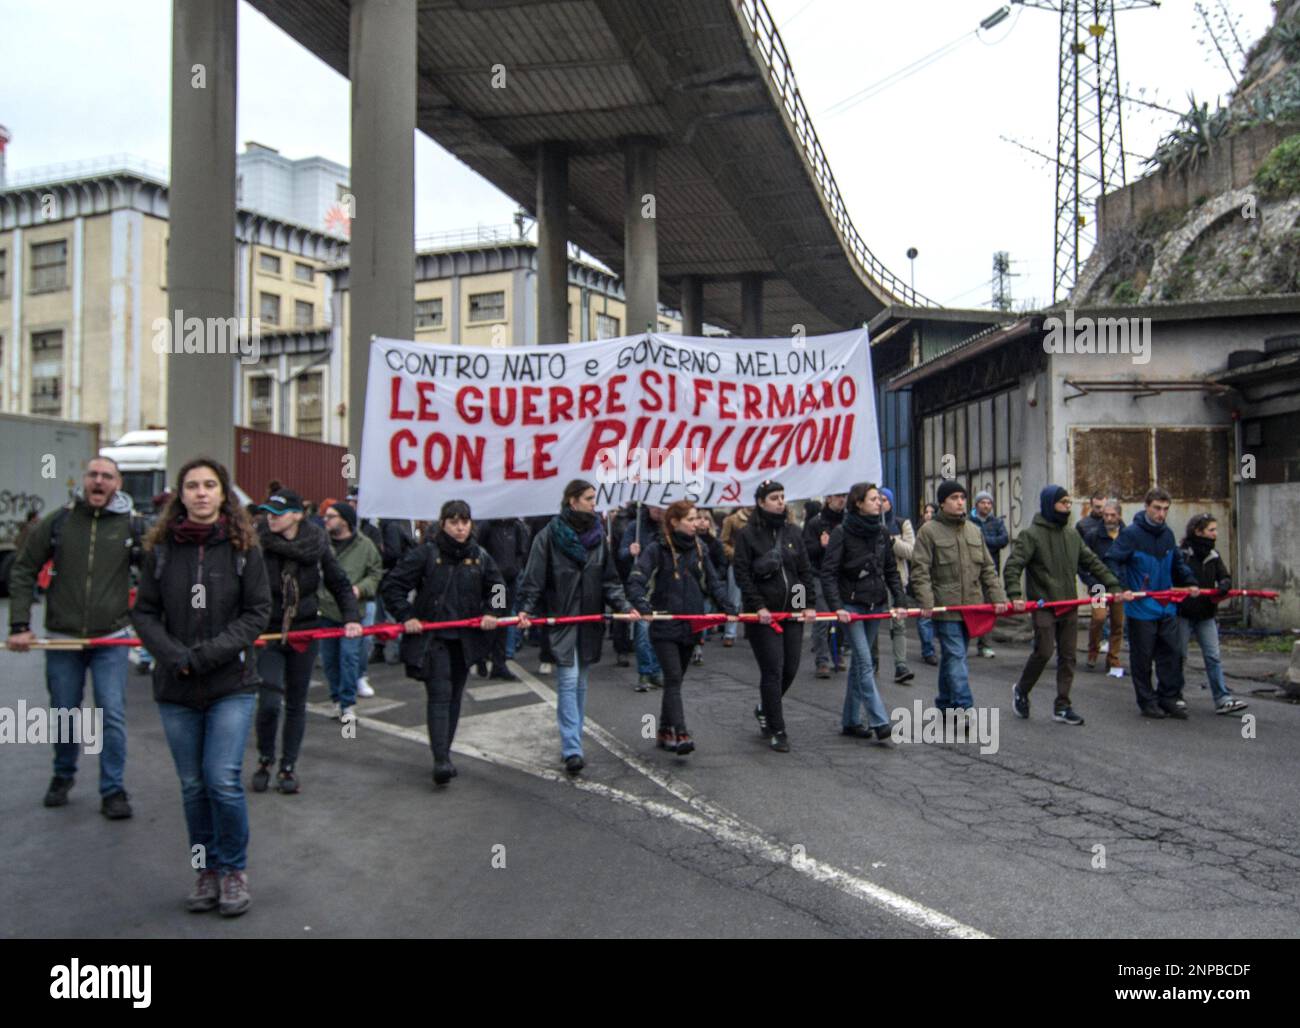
x=646, y=661
x=65, y=677
x=341, y=659
x=1207, y=638
x=733, y=595
x=208, y=750
x=571, y=705
x=925, y=629
x=954, y=681
x=367, y=641
x=860, y=691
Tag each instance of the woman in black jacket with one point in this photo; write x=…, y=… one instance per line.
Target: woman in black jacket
x=1197, y=615
x=298, y=557
x=859, y=575
x=771, y=567
x=454, y=579
x=674, y=575
x=204, y=545
x=571, y=572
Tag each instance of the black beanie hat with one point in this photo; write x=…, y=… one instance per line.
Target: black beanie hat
x=947, y=487
x=347, y=512
x=765, y=487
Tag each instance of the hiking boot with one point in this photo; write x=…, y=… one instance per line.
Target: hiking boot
x=1172, y=709
x=1230, y=705
x=1154, y=712
x=1066, y=715
x=286, y=781
x=780, y=742
x=364, y=689
x=902, y=674
x=574, y=764
x=115, y=807
x=501, y=673
x=234, y=894
x=1019, y=702
x=262, y=776
x=762, y=722
x=441, y=772
x=930, y=659
x=685, y=744
x=57, y=794
x=666, y=739
x=857, y=731
x=643, y=683
x=206, y=894
x=823, y=671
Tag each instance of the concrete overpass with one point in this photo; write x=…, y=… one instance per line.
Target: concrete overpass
x=668, y=139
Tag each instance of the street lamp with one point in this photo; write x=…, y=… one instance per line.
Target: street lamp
x=911, y=257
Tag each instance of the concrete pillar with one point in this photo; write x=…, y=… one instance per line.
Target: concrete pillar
x=692, y=305
x=201, y=230
x=640, y=241
x=381, y=276
x=751, y=306
x=552, y=244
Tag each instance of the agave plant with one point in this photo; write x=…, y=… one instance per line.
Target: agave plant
x=1197, y=133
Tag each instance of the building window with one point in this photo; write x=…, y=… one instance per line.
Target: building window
x=606, y=326
x=303, y=272
x=49, y=266
x=268, y=308
x=487, y=306
x=4, y=272
x=428, y=313
x=261, y=403
x=304, y=314
x=47, y=373
x=268, y=263
x=310, y=421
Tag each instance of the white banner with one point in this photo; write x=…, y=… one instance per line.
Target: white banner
x=653, y=418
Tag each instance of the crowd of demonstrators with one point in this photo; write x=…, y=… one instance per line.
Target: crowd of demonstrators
x=903, y=537
x=453, y=578
x=675, y=574
x=644, y=527
x=995, y=538
x=951, y=566
x=91, y=544
x=1144, y=557
x=1197, y=616
x=924, y=625
x=817, y=531
x=507, y=541
x=859, y=575
x=731, y=526
x=774, y=575
x=298, y=559
x=1110, y=616
x=571, y=572
x=204, y=677
x=1050, y=555
x=360, y=562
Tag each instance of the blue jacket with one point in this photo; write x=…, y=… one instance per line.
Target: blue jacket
x=1145, y=558
x=1100, y=542
x=994, y=529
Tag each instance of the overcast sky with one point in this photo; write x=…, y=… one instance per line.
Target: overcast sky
x=920, y=164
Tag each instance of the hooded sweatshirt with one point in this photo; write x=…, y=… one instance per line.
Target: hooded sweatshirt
x=1050, y=555
x=1145, y=558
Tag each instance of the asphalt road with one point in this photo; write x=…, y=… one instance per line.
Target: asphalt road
x=1124, y=827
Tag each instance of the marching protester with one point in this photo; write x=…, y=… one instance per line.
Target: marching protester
x=541, y=633
x=454, y=579
x=775, y=576
x=904, y=540
x=369, y=609
x=1197, y=616
x=571, y=572
x=1146, y=559
x=731, y=525
x=1092, y=520
x=643, y=528
x=91, y=542
x=204, y=677
x=298, y=558
x=360, y=561
x=706, y=532
x=859, y=576
x=924, y=626
x=674, y=574
x=951, y=566
x=1050, y=555
x=620, y=631
x=1099, y=539
x=995, y=538
x=397, y=539
x=817, y=531
x=507, y=541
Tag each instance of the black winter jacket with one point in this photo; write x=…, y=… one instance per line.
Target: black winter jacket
x=826, y=520
x=507, y=540
x=554, y=585
x=1211, y=572
x=310, y=558
x=673, y=581
x=447, y=588
x=861, y=571
x=214, y=640
x=397, y=539
x=769, y=564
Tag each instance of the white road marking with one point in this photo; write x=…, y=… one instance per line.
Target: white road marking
x=498, y=692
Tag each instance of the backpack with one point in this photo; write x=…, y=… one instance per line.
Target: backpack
x=139, y=525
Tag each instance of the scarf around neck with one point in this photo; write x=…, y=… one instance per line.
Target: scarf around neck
x=864, y=526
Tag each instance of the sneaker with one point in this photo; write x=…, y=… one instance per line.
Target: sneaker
x=685, y=744
x=206, y=894
x=545, y=668
x=857, y=731
x=762, y=722
x=930, y=659
x=643, y=683
x=1116, y=672
x=234, y=894
x=501, y=673
x=697, y=655
x=622, y=661
x=1230, y=705
x=57, y=794
x=1172, y=709
x=1019, y=702
x=986, y=652
x=884, y=734
x=1154, y=712
x=903, y=674
x=728, y=641
x=1179, y=702
x=666, y=739
x=1104, y=647
x=441, y=772
x=348, y=716
x=115, y=807
x=336, y=714
x=1067, y=716
x=286, y=781
x=364, y=689
x=823, y=671
x=574, y=764
x=262, y=776
x=780, y=742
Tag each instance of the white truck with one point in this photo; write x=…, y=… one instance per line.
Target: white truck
x=41, y=461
